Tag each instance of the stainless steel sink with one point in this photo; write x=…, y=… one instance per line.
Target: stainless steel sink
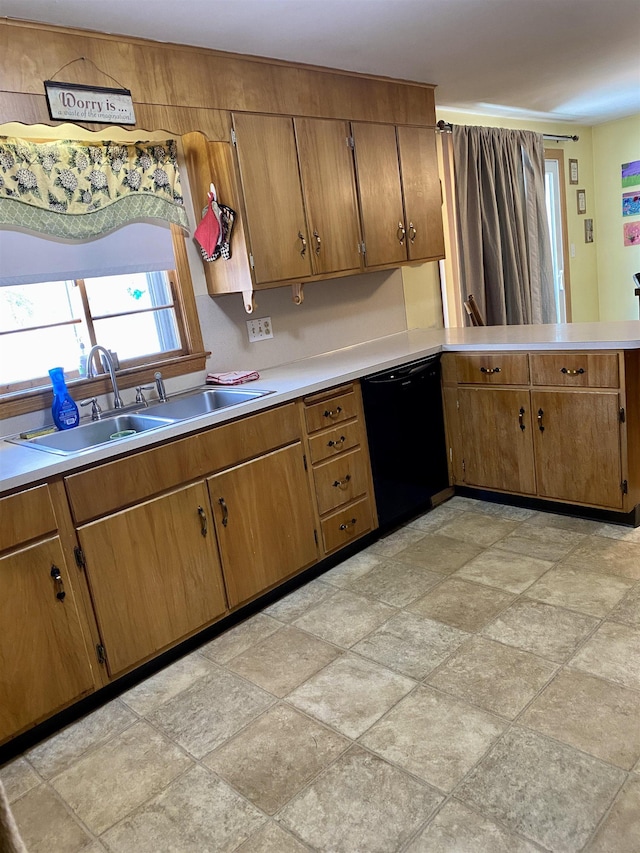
x=85, y=436
x=203, y=401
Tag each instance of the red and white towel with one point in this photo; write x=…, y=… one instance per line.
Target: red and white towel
x=233, y=377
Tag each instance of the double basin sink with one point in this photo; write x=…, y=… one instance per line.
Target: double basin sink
x=120, y=427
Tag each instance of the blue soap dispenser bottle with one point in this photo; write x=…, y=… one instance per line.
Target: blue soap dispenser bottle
x=64, y=410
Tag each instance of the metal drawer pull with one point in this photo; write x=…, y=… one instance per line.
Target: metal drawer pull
x=572, y=372
x=303, y=250
x=489, y=370
x=540, y=416
x=55, y=574
x=337, y=443
x=332, y=413
x=340, y=483
x=203, y=521
x=521, y=418
x=401, y=233
x=412, y=232
x=347, y=524
x=318, y=241
x=225, y=512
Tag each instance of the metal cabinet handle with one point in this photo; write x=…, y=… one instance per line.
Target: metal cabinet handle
x=412, y=232
x=203, y=521
x=318, y=241
x=347, y=524
x=332, y=413
x=225, y=512
x=338, y=484
x=303, y=250
x=521, y=418
x=489, y=370
x=540, y=416
x=401, y=233
x=569, y=372
x=55, y=574
x=338, y=443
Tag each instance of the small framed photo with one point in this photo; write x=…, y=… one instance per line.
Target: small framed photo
x=573, y=171
x=581, y=195
x=588, y=231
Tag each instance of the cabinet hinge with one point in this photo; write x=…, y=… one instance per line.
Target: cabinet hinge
x=304, y=459
x=315, y=536
x=233, y=137
x=624, y=487
x=78, y=553
x=101, y=653
x=623, y=416
x=362, y=248
x=251, y=263
x=464, y=467
x=351, y=143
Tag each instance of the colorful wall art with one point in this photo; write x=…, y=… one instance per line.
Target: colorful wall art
x=631, y=174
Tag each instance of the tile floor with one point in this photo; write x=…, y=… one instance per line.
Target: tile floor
x=468, y=684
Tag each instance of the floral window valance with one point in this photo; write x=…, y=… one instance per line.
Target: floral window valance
x=82, y=189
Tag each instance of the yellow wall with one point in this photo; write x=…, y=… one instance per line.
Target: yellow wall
x=423, y=303
x=615, y=143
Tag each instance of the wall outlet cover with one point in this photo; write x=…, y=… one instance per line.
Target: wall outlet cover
x=259, y=329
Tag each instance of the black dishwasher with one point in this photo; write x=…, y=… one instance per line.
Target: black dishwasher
x=405, y=429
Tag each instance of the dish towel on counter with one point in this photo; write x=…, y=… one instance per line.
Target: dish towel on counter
x=233, y=377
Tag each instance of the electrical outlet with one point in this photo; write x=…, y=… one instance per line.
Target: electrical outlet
x=259, y=329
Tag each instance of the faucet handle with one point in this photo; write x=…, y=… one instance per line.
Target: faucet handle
x=140, y=398
x=96, y=411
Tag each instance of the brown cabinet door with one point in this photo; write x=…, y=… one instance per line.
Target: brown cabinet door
x=328, y=180
x=497, y=452
x=422, y=194
x=44, y=664
x=280, y=241
x=264, y=520
x=380, y=193
x=577, y=445
x=154, y=574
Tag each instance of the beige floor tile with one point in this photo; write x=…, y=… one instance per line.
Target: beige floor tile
x=587, y=592
x=478, y=528
x=211, y=711
x=590, y=714
x=457, y=829
x=240, y=637
x=197, y=812
x=45, y=824
x=395, y=583
x=543, y=629
x=58, y=752
x=393, y=543
x=292, y=606
x=17, y=778
x=439, y=554
x=272, y=839
x=546, y=791
x=619, y=531
x=411, y=644
x=564, y=522
x=463, y=605
x=360, y=805
x=283, y=660
x=349, y=570
x=515, y=513
x=345, y=618
x=606, y=556
x=620, y=829
x=545, y=543
x=497, y=678
x=613, y=653
x=351, y=694
x=628, y=610
x=430, y=521
x=436, y=737
x=169, y=682
x=274, y=757
x=504, y=570
x=109, y=782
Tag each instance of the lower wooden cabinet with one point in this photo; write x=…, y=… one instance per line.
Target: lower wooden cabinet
x=154, y=574
x=264, y=520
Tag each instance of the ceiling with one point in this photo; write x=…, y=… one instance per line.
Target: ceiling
x=562, y=60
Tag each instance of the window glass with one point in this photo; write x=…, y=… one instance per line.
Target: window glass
x=28, y=305
x=30, y=355
x=117, y=294
x=137, y=335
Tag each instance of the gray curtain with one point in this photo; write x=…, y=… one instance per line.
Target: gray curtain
x=505, y=249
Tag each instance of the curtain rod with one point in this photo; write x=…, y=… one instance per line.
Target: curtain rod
x=446, y=127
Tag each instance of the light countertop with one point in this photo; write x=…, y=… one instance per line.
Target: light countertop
x=23, y=466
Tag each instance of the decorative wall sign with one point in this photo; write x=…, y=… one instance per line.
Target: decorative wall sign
x=73, y=102
x=588, y=231
x=573, y=171
x=581, y=196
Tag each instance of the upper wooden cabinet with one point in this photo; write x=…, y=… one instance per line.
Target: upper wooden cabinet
x=399, y=193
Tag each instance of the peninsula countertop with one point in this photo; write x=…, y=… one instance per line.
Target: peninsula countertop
x=22, y=466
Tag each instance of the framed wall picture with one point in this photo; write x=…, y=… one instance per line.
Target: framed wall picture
x=581, y=195
x=573, y=171
x=588, y=231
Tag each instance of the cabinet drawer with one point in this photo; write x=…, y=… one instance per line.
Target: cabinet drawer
x=575, y=369
x=347, y=524
x=340, y=480
x=493, y=369
x=26, y=515
x=330, y=411
x=333, y=441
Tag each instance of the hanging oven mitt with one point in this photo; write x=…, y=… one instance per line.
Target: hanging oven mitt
x=208, y=232
x=227, y=217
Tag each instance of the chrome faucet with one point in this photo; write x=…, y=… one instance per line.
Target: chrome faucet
x=107, y=364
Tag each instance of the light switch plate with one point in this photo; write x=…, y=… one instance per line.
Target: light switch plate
x=259, y=329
